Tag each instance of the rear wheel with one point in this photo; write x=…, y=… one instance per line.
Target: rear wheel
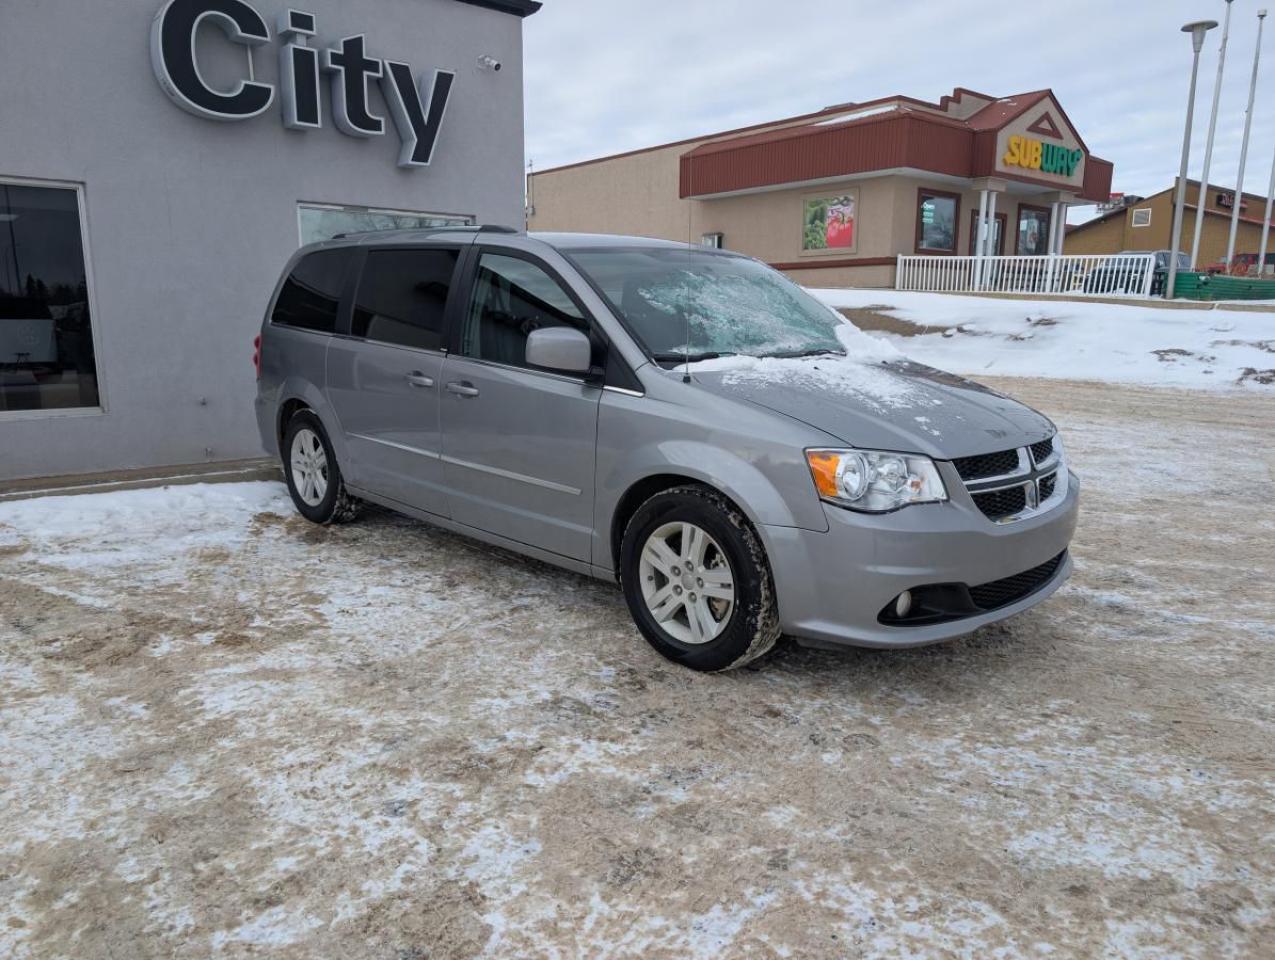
x=696, y=580
x=314, y=479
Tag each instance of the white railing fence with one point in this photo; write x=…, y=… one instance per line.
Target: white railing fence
x=1094, y=275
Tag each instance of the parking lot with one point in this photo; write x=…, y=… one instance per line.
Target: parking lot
x=229, y=733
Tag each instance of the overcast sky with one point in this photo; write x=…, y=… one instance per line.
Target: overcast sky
x=604, y=76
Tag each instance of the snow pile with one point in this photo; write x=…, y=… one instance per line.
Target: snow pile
x=125, y=527
x=1159, y=346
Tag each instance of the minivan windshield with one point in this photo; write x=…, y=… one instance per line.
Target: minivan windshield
x=684, y=302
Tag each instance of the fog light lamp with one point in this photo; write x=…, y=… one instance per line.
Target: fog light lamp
x=903, y=605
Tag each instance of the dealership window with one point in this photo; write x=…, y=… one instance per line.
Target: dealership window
x=830, y=223
x=1033, y=231
x=320, y=221
x=47, y=360
x=1142, y=217
x=936, y=217
x=712, y=240
x=402, y=297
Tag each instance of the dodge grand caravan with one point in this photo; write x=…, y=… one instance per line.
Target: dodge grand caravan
x=683, y=420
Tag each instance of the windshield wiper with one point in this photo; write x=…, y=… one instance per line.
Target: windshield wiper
x=688, y=357
x=817, y=352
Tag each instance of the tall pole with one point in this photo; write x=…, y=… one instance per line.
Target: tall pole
x=1208, y=144
x=1197, y=30
x=1266, y=223
x=1248, y=124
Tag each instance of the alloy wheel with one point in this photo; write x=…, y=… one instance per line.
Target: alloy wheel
x=687, y=582
x=309, y=467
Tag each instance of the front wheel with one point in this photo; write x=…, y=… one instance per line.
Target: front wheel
x=696, y=580
x=314, y=479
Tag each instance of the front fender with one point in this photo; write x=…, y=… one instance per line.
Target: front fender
x=767, y=480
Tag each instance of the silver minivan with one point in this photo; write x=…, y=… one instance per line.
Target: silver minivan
x=686, y=421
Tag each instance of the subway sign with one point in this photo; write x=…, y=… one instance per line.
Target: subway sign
x=417, y=110
x=1046, y=157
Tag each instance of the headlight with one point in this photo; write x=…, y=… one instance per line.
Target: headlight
x=873, y=481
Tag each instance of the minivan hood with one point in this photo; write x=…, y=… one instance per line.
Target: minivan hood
x=899, y=405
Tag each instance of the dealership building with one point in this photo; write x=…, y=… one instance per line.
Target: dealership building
x=835, y=197
x=160, y=162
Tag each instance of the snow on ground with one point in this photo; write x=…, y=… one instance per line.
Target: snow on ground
x=226, y=733
x=1065, y=339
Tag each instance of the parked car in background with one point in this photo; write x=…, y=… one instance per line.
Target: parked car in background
x=686, y=421
x=1243, y=265
x=1120, y=275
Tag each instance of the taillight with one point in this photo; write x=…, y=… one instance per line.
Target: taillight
x=256, y=354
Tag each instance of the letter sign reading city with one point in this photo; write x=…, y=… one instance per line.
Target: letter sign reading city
x=417, y=111
x=1045, y=157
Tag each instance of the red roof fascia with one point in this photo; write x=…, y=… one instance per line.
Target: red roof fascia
x=901, y=138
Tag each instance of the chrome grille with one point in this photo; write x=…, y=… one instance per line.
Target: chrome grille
x=1005, y=502
x=987, y=465
x=1042, y=451
x=1011, y=485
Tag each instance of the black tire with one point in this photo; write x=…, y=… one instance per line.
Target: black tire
x=753, y=624
x=336, y=506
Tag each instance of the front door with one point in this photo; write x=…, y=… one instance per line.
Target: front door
x=384, y=379
x=998, y=233
x=518, y=443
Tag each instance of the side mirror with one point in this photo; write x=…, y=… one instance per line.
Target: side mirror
x=561, y=349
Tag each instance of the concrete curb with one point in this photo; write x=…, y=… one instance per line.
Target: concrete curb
x=233, y=471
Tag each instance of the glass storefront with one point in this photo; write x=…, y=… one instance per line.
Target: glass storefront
x=936, y=221
x=46, y=339
x=1033, y=231
x=324, y=221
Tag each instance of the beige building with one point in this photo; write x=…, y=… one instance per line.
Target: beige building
x=834, y=197
x=1147, y=225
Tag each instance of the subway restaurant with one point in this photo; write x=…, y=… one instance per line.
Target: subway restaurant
x=834, y=197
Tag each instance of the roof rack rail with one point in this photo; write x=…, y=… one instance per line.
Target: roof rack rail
x=484, y=228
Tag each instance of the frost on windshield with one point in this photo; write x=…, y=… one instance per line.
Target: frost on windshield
x=707, y=311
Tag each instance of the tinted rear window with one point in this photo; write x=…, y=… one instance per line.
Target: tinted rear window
x=312, y=293
x=402, y=297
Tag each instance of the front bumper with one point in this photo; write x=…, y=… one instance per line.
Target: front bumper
x=832, y=585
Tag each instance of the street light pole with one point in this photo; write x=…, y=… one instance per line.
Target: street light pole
x=1266, y=224
x=1197, y=30
x=1248, y=124
x=1208, y=144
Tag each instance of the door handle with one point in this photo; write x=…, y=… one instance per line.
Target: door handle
x=462, y=388
x=418, y=379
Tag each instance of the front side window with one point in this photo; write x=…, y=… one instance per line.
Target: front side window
x=1033, y=232
x=325, y=221
x=311, y=295
x=512, y=297
x=402, y=297
x=46, y=340
x=680, y=302
x=936, y=221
